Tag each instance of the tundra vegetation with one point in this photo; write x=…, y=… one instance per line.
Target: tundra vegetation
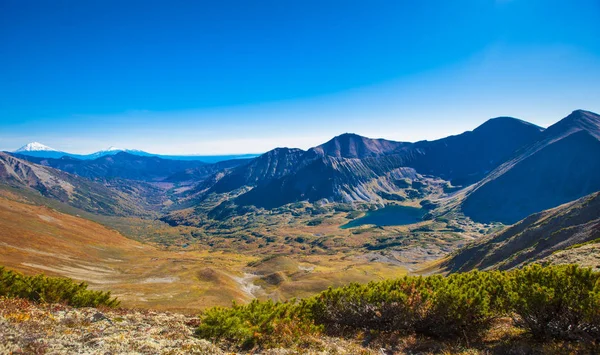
x=45, y=289
x=551, y=303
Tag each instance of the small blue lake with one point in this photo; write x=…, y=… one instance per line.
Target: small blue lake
x=389, y=216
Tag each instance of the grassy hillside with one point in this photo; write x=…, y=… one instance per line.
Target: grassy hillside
x=534, y=238
x=36, y=238
x=113, y=198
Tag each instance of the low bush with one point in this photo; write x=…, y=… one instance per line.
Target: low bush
x=458, y=305
x=258, y=323
x=556, y=302
x=549, y=302
x=45, y=289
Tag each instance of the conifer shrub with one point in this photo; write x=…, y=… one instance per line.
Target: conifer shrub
x=258, y=323
x=557, y=301
x=45, y=289
x=458, y=305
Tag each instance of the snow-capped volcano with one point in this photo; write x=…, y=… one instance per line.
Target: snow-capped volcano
x=39, y=150
x=35, y=147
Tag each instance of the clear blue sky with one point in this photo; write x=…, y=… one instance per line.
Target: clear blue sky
x=215, y=77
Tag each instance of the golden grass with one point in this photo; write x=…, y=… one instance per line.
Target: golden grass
x=36, y=239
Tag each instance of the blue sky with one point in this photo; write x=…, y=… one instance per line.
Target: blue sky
x=219, y=77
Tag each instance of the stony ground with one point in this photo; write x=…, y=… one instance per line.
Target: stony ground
x=54, y=329
x=29, y=328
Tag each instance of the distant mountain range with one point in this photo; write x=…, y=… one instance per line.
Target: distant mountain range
x=502, y=171
x=353, y=168
x=40, y=150
x=116, y=198
x=516, y=169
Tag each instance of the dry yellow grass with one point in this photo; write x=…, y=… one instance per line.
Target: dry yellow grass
x=36, y=239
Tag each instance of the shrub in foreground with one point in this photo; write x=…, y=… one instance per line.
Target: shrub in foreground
x=556, y=302
x=458, y=305
x=549, y=302
x=258, y=323
x=41, y=288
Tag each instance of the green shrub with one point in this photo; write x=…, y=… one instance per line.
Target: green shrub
x=258, y=323
x=549, y=302
x=557, y=301
x=40, y=288
x=438, y=306
x=315, y=222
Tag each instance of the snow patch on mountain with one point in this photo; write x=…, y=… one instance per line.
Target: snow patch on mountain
x=35, y=147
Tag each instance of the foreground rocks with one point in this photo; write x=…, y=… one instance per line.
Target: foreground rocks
x=55, y=329
x=30, y=328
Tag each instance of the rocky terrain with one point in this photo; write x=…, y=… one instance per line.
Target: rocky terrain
x=29, y=328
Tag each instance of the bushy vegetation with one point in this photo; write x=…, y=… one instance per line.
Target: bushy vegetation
x=560, y=302
x=556, y=302
x=265, y=323
x=45, y=289
x=435, y=305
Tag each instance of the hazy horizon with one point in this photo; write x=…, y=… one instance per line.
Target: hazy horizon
x=259, y=152
x=234, y=78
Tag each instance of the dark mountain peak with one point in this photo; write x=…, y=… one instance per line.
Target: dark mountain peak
x=271, y=165
x=281, y=151
x=277, y=156
x=582, y=117
x=350, y=145
x=578, y=120
x=584, y=113
x=120, y=157
x=348, y=135
x=505, y=124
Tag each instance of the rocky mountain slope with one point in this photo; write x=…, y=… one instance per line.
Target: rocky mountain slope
x=354, y=168
x=508, y=168
x=534, y=238
x=120, y=165
x=353, y=146
x=95, y=197
x=466, y=158
x=562, y=165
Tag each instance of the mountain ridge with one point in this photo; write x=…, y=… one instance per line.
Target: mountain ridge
x=560, y=166
x=350, y=167
x=39, y=150
x=533, y=238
